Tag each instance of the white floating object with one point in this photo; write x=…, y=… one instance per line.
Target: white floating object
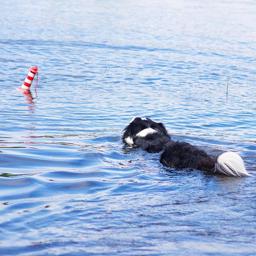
x=231, y=164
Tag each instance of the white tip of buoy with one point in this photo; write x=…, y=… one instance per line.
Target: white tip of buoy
x=231, y=164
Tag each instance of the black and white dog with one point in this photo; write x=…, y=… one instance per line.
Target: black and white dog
x=146, y=134
x=153, y=138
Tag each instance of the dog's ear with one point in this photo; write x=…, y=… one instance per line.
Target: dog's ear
x=162, y=128
x=135, y=126
x=136, y=120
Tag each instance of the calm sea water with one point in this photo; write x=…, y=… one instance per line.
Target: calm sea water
x=67, y=186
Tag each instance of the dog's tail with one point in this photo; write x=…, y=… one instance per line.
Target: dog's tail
x=231, y=164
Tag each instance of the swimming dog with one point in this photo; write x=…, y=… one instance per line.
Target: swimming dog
x=153, y=138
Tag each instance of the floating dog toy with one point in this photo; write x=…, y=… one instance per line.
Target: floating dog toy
x=30, y=77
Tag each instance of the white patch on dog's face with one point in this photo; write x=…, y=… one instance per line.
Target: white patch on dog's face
x=129, y=141
x=145, y=132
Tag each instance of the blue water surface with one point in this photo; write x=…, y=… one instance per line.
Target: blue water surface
x=67, y=185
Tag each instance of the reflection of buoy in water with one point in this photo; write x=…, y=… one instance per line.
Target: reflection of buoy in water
x=30, y=77
x=28, y=96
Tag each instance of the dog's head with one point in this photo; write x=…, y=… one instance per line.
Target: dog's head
x=143, y=130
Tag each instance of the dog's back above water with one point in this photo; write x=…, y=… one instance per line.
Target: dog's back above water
x=153, y=137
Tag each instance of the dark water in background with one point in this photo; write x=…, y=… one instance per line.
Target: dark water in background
x=67, y=187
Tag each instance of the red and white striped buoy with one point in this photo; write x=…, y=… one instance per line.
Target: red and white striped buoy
x=30, y=77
